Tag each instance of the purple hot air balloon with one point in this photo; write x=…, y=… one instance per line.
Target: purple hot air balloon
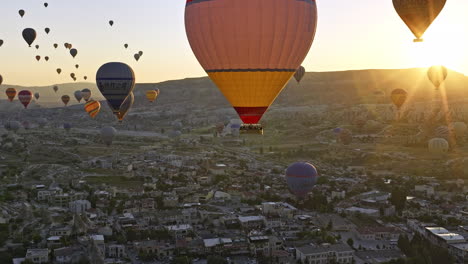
x=301, y=177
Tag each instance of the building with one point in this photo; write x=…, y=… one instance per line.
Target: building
x=378, y=233
x=459, y=251
x=63, y=255
x=327, y=254
x=252, y=222
x=79, y=206
x=38, y=255
x=100, y=244
x=426, y=189
x=442, y=237
x=278, y=209
x=116, y=251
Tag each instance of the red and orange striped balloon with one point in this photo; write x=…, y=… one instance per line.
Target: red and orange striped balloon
x=92, y=108
x=25, y=97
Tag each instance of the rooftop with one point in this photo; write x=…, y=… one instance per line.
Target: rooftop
x=308, y=250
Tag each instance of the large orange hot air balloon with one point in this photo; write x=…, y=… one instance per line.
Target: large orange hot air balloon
x=11, y=93
x=418, y=15
x=398, y=97
x=92, y=108
x=25, y=97
x=250, y=48
x=65, y=99
x=437, y=75
x=151, y=95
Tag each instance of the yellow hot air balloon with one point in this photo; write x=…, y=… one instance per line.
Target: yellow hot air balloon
x=398, y=97
x=151, y=95
x=92, y=108
x=251, y=48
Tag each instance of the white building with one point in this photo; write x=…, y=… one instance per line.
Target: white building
x=79, y=206
x=339, y=253
x=279, y=209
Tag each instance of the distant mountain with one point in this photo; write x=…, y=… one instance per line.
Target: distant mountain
x=345, y=87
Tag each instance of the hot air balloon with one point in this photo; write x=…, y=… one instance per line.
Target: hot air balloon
x=29, y=35
x=37, y=46
x=107, y=135
x=74, y=79
x=77, y=66
x=437, y=75
x=46, y=58
x=67, y=127
x=126, y=106
x=25, y=97
x=116, y=81
x=65, y=45
x=21, y=13
x=55, y=45
x=69, y=46
x=111, y=23
x=72, y=75
x=85, y=78
x=438, y=145
x=73, y=52
x=11, y=93
x=442, y=132
x=301, y=178
x=47, y=30
x=59, y=70
x=459, y=128
x=86, y=94
x=126, y=46
x=140, y=53
x=78, y=96
x=1, y=42
x=92, y=108
x=37, y=95
x=398, y=97
x=418, y=15
x=55, y=88
x=346, y=137
x=137, y=56
x=251, y=59
x=151, y=95
x=299, y=74
x=65, y=99
x=1, y=80
x=46, y=4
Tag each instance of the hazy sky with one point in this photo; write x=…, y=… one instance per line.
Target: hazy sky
x=359, y=34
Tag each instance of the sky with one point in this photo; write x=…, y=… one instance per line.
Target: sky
x=358, y=34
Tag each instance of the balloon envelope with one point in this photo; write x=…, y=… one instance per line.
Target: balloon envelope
x=251, y=59
x=107, y=135
x=437, y=75
x=398, y=97
x=25, y=97
x=438, y=145
x=151, y=95
x=418, y=15
x=78, y=96
x=299, y=74
x=92, y=108
x=29, y=35
x=116, y=81
x=37, y=95
x=11, y=93
x=86, y=94
x=55, y=88
x=301, y=178
x=126, y=106
x=73, y=52
x=65, y=99
x=21, y=12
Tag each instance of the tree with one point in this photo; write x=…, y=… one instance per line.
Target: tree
x=398, y=198
x=350, y=242
x=181, y=260
x=330, y=225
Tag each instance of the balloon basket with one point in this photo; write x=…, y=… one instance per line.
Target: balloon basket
x=418, y=40
x=251, y=129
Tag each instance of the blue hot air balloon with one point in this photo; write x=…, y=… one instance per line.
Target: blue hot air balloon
x=116, y=81
x=301, y=177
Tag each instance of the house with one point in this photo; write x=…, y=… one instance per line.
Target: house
x=278, y=209
x=79, y=206
x=217, y=245
x=63, y=255
x=378, y=233
x=116, y=251
x=155, y=248
x=38, y=255
x=327, y=254
x=252, y=222
x=98, y=240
